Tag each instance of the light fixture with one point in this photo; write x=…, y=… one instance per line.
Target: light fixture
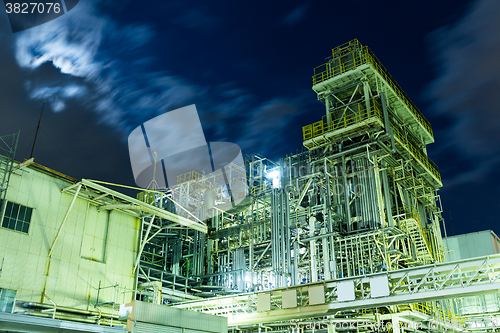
x=274, y=175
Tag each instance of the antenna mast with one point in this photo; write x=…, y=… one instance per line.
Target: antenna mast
x=37, y=128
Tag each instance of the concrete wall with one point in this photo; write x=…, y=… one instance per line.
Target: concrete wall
x=471, y=245
x=93, y=246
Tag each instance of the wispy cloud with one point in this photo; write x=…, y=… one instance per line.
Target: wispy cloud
x=125, y=96
x=296, y=15
x=467, y=87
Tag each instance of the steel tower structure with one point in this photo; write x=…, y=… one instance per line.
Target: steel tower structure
x=361, y=199
x=359, y=202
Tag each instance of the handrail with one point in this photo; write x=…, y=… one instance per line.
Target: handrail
x=438, y=312
x=347, y=119
x=363, y=55
x=415, y=152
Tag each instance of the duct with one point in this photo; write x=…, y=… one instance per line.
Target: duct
x=239, y=268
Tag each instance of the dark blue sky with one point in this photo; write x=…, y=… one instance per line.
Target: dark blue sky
x=107, y=66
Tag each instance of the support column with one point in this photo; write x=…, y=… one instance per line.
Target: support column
x=328, y=115
x=395, y=324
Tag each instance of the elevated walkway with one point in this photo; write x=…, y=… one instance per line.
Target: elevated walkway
x=411, y=285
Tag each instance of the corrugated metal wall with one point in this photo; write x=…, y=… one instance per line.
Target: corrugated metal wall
x=149, y=317
x=140, y=327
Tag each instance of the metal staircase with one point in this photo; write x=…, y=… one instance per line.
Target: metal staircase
x=413, y=228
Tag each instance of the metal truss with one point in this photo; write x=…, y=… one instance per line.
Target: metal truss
x=107, y=198
x=411, y=285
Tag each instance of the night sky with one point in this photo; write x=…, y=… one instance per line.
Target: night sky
x=105, y=67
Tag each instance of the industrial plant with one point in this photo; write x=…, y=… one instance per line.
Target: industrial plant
x=346, y=235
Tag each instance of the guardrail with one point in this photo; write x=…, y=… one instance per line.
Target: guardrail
x=415, y=152
x=352, y=114
x=439, y=313
x=352, y=55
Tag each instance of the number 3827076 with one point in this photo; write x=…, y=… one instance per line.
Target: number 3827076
x=32, y=7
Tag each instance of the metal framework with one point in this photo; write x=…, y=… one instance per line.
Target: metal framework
x=411, y=285
x=361, y=201
x=8, y=146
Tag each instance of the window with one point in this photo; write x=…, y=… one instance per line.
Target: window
x=7, y=300
x=17, y=217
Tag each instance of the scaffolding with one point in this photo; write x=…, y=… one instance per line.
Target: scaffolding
x=8, y=146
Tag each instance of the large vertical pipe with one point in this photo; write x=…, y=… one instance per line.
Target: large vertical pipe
x=365, y=196
x=346, y=195
x=328, y=205
x=295, y=274
x=283, y=237
x=366, y=90
x=250, y=250
x=355, y=182
x=387, y=124
x=328, y=114
x=326, y=255
x=274, y=240
x=387, y=193
x=373, y=199
x=288, y=235
x=312, y=250
x=380, y=198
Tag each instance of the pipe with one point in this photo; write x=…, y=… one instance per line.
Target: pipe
x=36, y=305
x=106, y=322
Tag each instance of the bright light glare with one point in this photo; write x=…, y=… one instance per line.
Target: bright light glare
x=273, y=174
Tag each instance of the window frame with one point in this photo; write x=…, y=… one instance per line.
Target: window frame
x=16, y=224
